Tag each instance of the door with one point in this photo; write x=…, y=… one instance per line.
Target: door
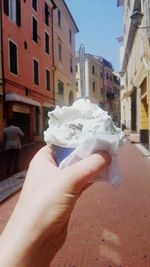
x=22, y=120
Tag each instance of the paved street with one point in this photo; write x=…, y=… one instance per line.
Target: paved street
x=108, y=228
x=26, y=155
x=12, y=183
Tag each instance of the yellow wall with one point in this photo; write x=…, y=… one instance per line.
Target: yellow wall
x=144, y=114
x=62, y=100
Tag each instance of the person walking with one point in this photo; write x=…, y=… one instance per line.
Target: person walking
x=12, y=144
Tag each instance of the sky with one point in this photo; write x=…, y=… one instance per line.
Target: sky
x=100, y=22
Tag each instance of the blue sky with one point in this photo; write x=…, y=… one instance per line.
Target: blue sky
x=99, y=23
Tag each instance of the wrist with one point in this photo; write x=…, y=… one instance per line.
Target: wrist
x=21, y=238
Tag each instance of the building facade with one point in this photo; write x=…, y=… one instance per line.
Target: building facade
x=1, y=81
x=65, y=29
x=136, y=69
x=102, y=85
x=93, y=79
x=116, y=100
x=37, y=69
x=27, y=64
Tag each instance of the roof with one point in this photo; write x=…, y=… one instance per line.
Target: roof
x=71, y=16
x=120, y=2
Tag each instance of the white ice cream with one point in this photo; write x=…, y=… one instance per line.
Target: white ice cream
x=70, y=126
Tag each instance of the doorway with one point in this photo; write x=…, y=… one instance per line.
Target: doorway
x=22, y=120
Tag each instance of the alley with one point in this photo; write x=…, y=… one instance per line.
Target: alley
x=108, y=228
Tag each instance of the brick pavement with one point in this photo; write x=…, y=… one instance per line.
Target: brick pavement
x=108, y=228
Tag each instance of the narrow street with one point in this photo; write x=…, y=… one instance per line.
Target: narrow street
x=26, y=154
x=108, y=228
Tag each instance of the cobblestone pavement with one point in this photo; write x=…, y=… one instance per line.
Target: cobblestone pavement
x=108, y=228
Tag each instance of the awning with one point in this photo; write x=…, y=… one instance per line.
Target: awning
x=23, y=99
x=47, y=105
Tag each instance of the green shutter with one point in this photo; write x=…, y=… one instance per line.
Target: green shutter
x=6, y=7
x=18, y=12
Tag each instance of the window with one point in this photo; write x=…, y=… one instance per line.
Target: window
x=76, y=68
x=101, y=91
x=77, y=85
x=70, y=36
x=46, y=15
x=34, y=4
x=59, y=51
x=93, y=69
x=101, y=75
x=93, y=84
x=46, y=43
x=13, y=57
x=47, y=80
x=27, y=92
x=60, y=85
x=59, y=18
x=37, y=120
x=34, y=30
x=12, y=8
x=36, y=71
x=71, y=68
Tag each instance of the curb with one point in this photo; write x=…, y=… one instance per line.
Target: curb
x=11, y=185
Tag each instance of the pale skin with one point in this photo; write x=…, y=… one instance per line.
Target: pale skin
x=37, y=227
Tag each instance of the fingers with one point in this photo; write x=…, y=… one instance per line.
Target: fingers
x=45, y=153
x=88, y=168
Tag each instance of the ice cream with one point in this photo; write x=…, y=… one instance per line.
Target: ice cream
x=71, y=126
x=77, y=131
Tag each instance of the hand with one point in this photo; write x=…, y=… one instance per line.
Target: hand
x=41, y=216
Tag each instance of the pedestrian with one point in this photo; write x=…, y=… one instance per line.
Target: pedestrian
x=38, y=225
x=12, y=144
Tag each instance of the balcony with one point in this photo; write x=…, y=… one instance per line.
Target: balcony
x=110, y=96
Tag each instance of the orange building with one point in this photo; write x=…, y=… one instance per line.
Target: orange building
x=27, y=59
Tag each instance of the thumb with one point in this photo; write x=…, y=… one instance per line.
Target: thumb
x=86, y=169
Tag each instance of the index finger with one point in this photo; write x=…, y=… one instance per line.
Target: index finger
x=45, y=153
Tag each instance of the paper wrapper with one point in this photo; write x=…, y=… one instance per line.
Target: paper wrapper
x=109, y=143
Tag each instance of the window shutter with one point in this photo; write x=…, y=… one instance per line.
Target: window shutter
x=47, y=43
x=48, y=80
x=18, y=12
x=13, y=57
x=148, y=18
x=36, y=72
x=46, y=15
x=6, y=7
x=35, y=32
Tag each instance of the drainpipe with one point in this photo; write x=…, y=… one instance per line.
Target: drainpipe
x=53, y=55
x=2, y=61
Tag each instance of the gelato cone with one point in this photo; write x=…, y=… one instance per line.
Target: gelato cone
x=60, y=153
x=77, y=131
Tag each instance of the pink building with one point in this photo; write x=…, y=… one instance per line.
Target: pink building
x=27, y=63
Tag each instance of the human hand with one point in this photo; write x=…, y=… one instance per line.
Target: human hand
x=44, y=208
